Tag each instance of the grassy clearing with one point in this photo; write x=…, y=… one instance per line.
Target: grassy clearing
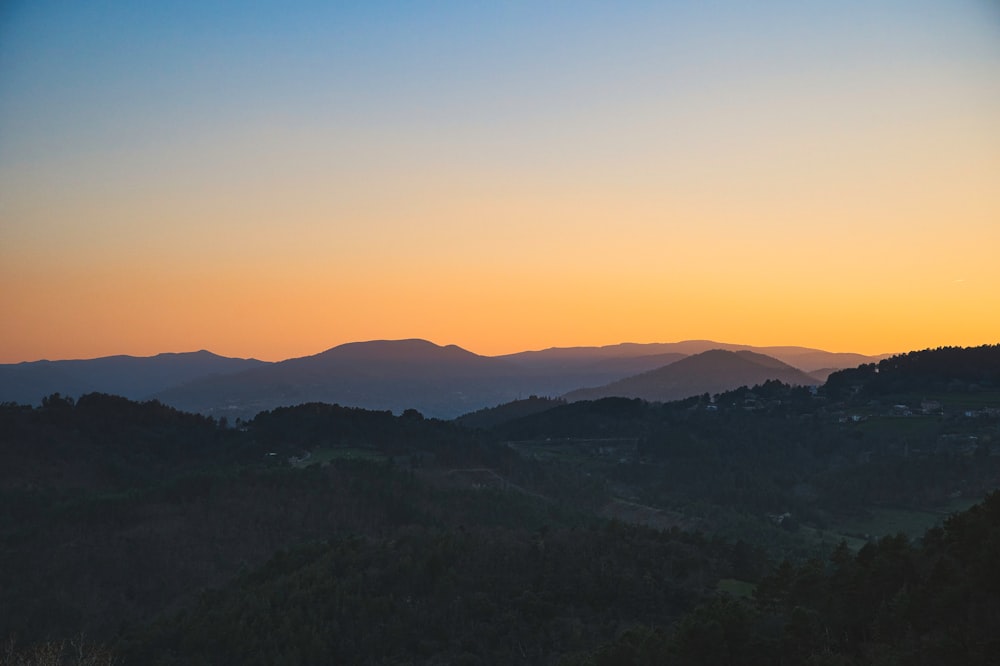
x=899, y=425
x=571, y=452
x=885, y=521
x=325, y=456
x=736, y=588
x=958, y=401
x=960, y=504
x=830, y=538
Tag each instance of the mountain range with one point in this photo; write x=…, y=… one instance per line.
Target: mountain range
x=439, y=381
x=134, y=377
x=711, y=371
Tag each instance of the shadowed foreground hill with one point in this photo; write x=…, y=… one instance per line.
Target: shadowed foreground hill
x=931, y=603
x=409, y=558
x=494, y=416
x=713, y=371
x=113, y=511
x=467, y=596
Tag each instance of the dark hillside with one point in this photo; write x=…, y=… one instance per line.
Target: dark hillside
x=759, y=463
x=491, y=417
x=608, y=417
x=410, y=539
x=113, y=511
x=432, y=596
x=947, y=369
x=104, y=443
x=936, y=601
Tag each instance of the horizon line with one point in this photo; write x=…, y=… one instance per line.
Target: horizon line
x=500, y=355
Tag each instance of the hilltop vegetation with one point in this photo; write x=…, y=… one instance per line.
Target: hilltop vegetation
x=769, y=451
x=113, y=511
x=944, y=370
x=449, y=596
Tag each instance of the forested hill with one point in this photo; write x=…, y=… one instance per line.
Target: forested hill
x=927, y=603
x=129, y=376
x=582, y=533
x=931, y=370
x=439, y=596
x=429, y=541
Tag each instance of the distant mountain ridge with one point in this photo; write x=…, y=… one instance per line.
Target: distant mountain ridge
x=711, y=371
x=133, y=377
x=381, y=374
x=440, y=381
x=806, y=359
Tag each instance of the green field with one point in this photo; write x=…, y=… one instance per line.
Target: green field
x=830, y=538
x=899, y=425
x=576, y=452
x=886, y=521
x=961, y=401
x=325, y=456
x=736, y=588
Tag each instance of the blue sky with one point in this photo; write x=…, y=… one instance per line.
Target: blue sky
x=386, y=147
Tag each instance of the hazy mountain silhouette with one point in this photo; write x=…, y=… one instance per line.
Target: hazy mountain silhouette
x=381, y=374
x=818, y=361
x=593, y=365
x=821, y=375
x=711, y=371
x=135, y=377
x=440, y=381
x=562, y=358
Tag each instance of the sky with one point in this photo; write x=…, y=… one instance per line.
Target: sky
x=269, y=180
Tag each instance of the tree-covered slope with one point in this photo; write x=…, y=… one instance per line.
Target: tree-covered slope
x=946, y=369
x=936, y=601
x=408, y=539
x=469, y=595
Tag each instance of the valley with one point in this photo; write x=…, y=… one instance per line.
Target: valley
x=544, y=530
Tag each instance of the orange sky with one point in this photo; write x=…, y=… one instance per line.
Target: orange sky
x=822, y=178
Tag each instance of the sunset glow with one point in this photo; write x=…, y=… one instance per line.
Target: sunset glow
x=501, y=176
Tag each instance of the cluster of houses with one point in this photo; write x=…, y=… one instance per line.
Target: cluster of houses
x=926, y=408
x=988, y=412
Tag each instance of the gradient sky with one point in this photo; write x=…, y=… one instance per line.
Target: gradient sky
x=273, y=179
